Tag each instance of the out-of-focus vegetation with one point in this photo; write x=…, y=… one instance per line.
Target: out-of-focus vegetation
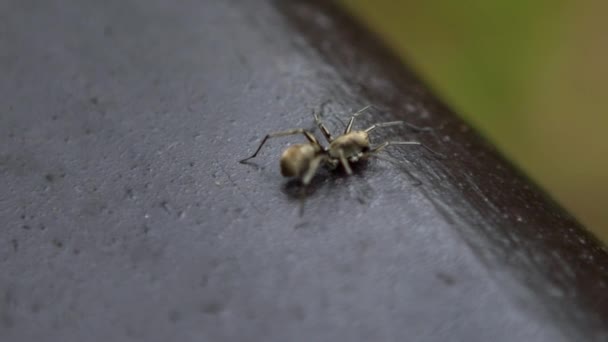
x=531, y=75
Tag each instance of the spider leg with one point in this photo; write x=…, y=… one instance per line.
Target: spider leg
x=312, y=169
x=415, y=143
x=352, y=118
x=322, y=127
x=306, y=133
x=395, y=123
x=345, y=164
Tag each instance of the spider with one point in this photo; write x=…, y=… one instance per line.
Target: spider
x=303, y=160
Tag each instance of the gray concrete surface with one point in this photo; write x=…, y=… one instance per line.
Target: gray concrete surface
x=125, y=215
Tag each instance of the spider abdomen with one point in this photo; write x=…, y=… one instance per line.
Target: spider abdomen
x=296, y=159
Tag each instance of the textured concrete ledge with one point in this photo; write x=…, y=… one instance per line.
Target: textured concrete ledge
x=125, y=215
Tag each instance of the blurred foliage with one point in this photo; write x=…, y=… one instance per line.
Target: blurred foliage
x=529, y=74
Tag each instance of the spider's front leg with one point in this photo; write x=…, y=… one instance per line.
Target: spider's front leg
x=344, y=162
x=306, y=133
x=312, y=168
x=322, y=127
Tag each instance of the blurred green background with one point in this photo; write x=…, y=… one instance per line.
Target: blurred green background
x=530, y=75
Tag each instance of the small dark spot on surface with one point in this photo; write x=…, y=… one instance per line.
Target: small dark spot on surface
x=204, y=280
x=49, y=177
x=26, y=227
x=129, y=193
x=23, y=217
x=9, y=299
x=297, y=312
x=130, y=332
x=54, y=117
x=446, y=278
x=76, y=251
x=174, y=316
x=191, y=164
x=302, y=224
x=108, y=31
x=87, y=131
x=42, y=226
x=7, y=320
x=35, y=308
x=94, y=100
x=166, y=207
x=15, y=244
x=57, y=243
x=363, y=246
x=251, y=314
x=348, y=288
x=212, y=308
x=345, y=268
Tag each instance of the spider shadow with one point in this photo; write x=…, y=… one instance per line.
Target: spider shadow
x=330, y=180
x=400, y=165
